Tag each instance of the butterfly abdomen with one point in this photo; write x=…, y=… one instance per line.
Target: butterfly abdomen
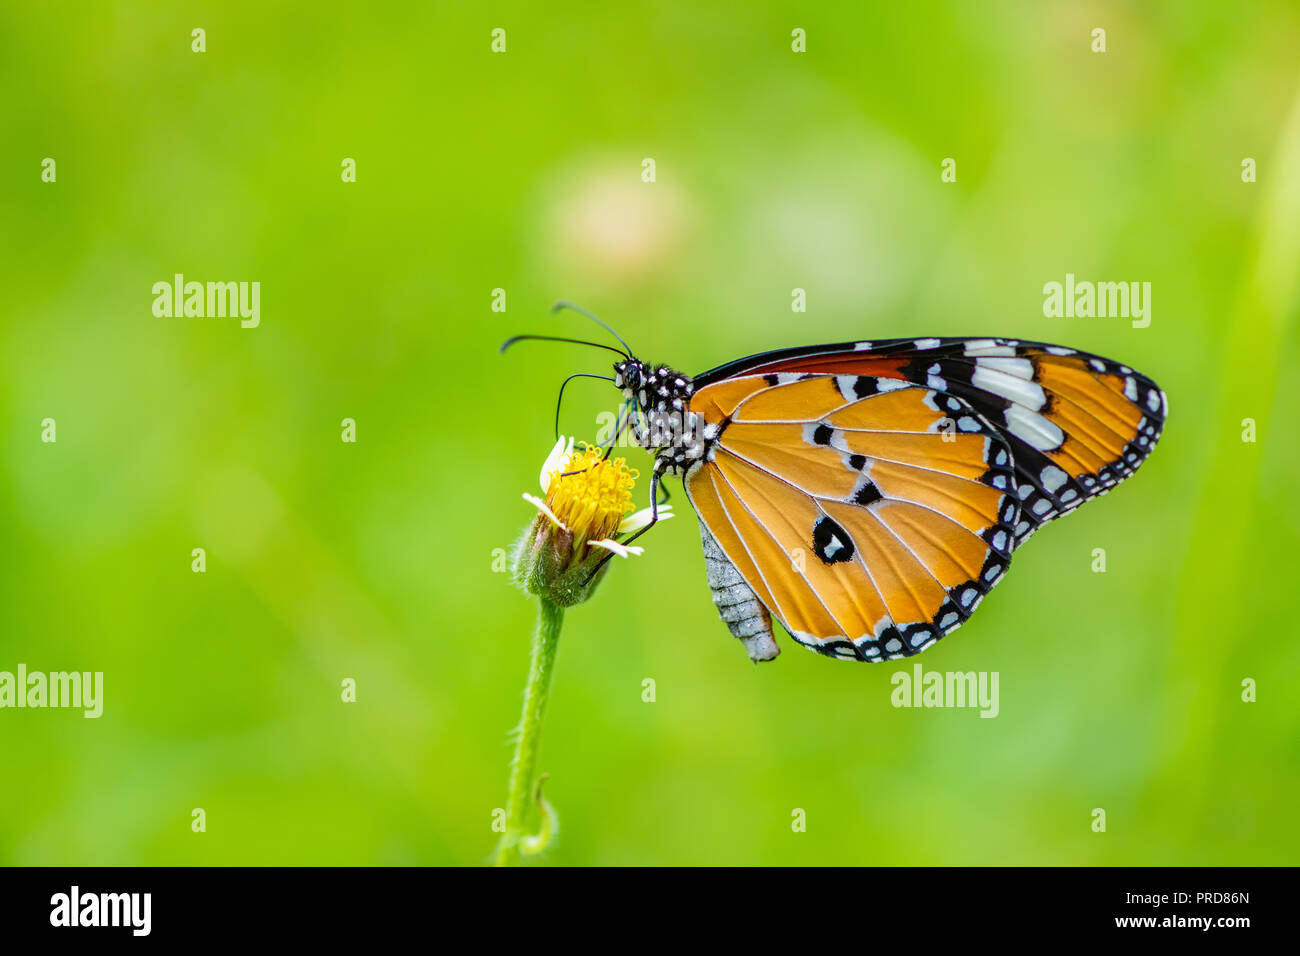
x=738, y=606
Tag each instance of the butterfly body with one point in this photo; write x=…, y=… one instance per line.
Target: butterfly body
x=869, y=494
x=663, y=421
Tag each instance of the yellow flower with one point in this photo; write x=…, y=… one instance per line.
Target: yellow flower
x=591, y=494
x=586, y=507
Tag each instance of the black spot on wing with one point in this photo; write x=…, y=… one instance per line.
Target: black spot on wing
x=830, y=542
x=867, y=494
x=865, y=385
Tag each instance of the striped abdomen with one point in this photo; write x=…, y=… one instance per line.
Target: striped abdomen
x=739, y=609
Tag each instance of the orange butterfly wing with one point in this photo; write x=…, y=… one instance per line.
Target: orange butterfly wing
x=1078, y=423
x=869, y=495
x=867, y=527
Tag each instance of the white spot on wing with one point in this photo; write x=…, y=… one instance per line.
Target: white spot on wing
x=1053, y=478
x=1019, y=367
x=845, y=384
x=1018, y=390
x=1033, y=429
x=987, y=347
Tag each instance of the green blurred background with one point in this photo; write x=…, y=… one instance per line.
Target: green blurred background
x=522, y=171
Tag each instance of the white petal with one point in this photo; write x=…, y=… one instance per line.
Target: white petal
x=562, y=448
x=540, y=505
x=640, y=519
x=622, y=550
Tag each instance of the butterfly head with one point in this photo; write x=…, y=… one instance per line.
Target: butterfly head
x=653, y=389
x=663, y=420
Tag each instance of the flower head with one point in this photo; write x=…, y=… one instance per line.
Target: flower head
x=579, y=522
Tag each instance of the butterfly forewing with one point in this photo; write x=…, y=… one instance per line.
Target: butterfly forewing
x=1078, y=424
x=863, y=515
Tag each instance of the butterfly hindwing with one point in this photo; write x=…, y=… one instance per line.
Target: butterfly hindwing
x=861, y=512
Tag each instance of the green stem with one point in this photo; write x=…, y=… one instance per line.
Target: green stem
x=522, y=770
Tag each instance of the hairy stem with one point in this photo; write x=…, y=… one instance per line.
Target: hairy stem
x=523, y=769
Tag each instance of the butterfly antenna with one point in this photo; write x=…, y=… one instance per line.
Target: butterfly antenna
x=551, y=338
x=565, y=304
x=560, y=399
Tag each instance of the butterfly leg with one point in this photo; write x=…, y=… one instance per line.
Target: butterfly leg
x=655, y=485
x=664, y=488
x=655, y=477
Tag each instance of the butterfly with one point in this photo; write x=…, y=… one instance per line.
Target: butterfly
x=868, y=495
